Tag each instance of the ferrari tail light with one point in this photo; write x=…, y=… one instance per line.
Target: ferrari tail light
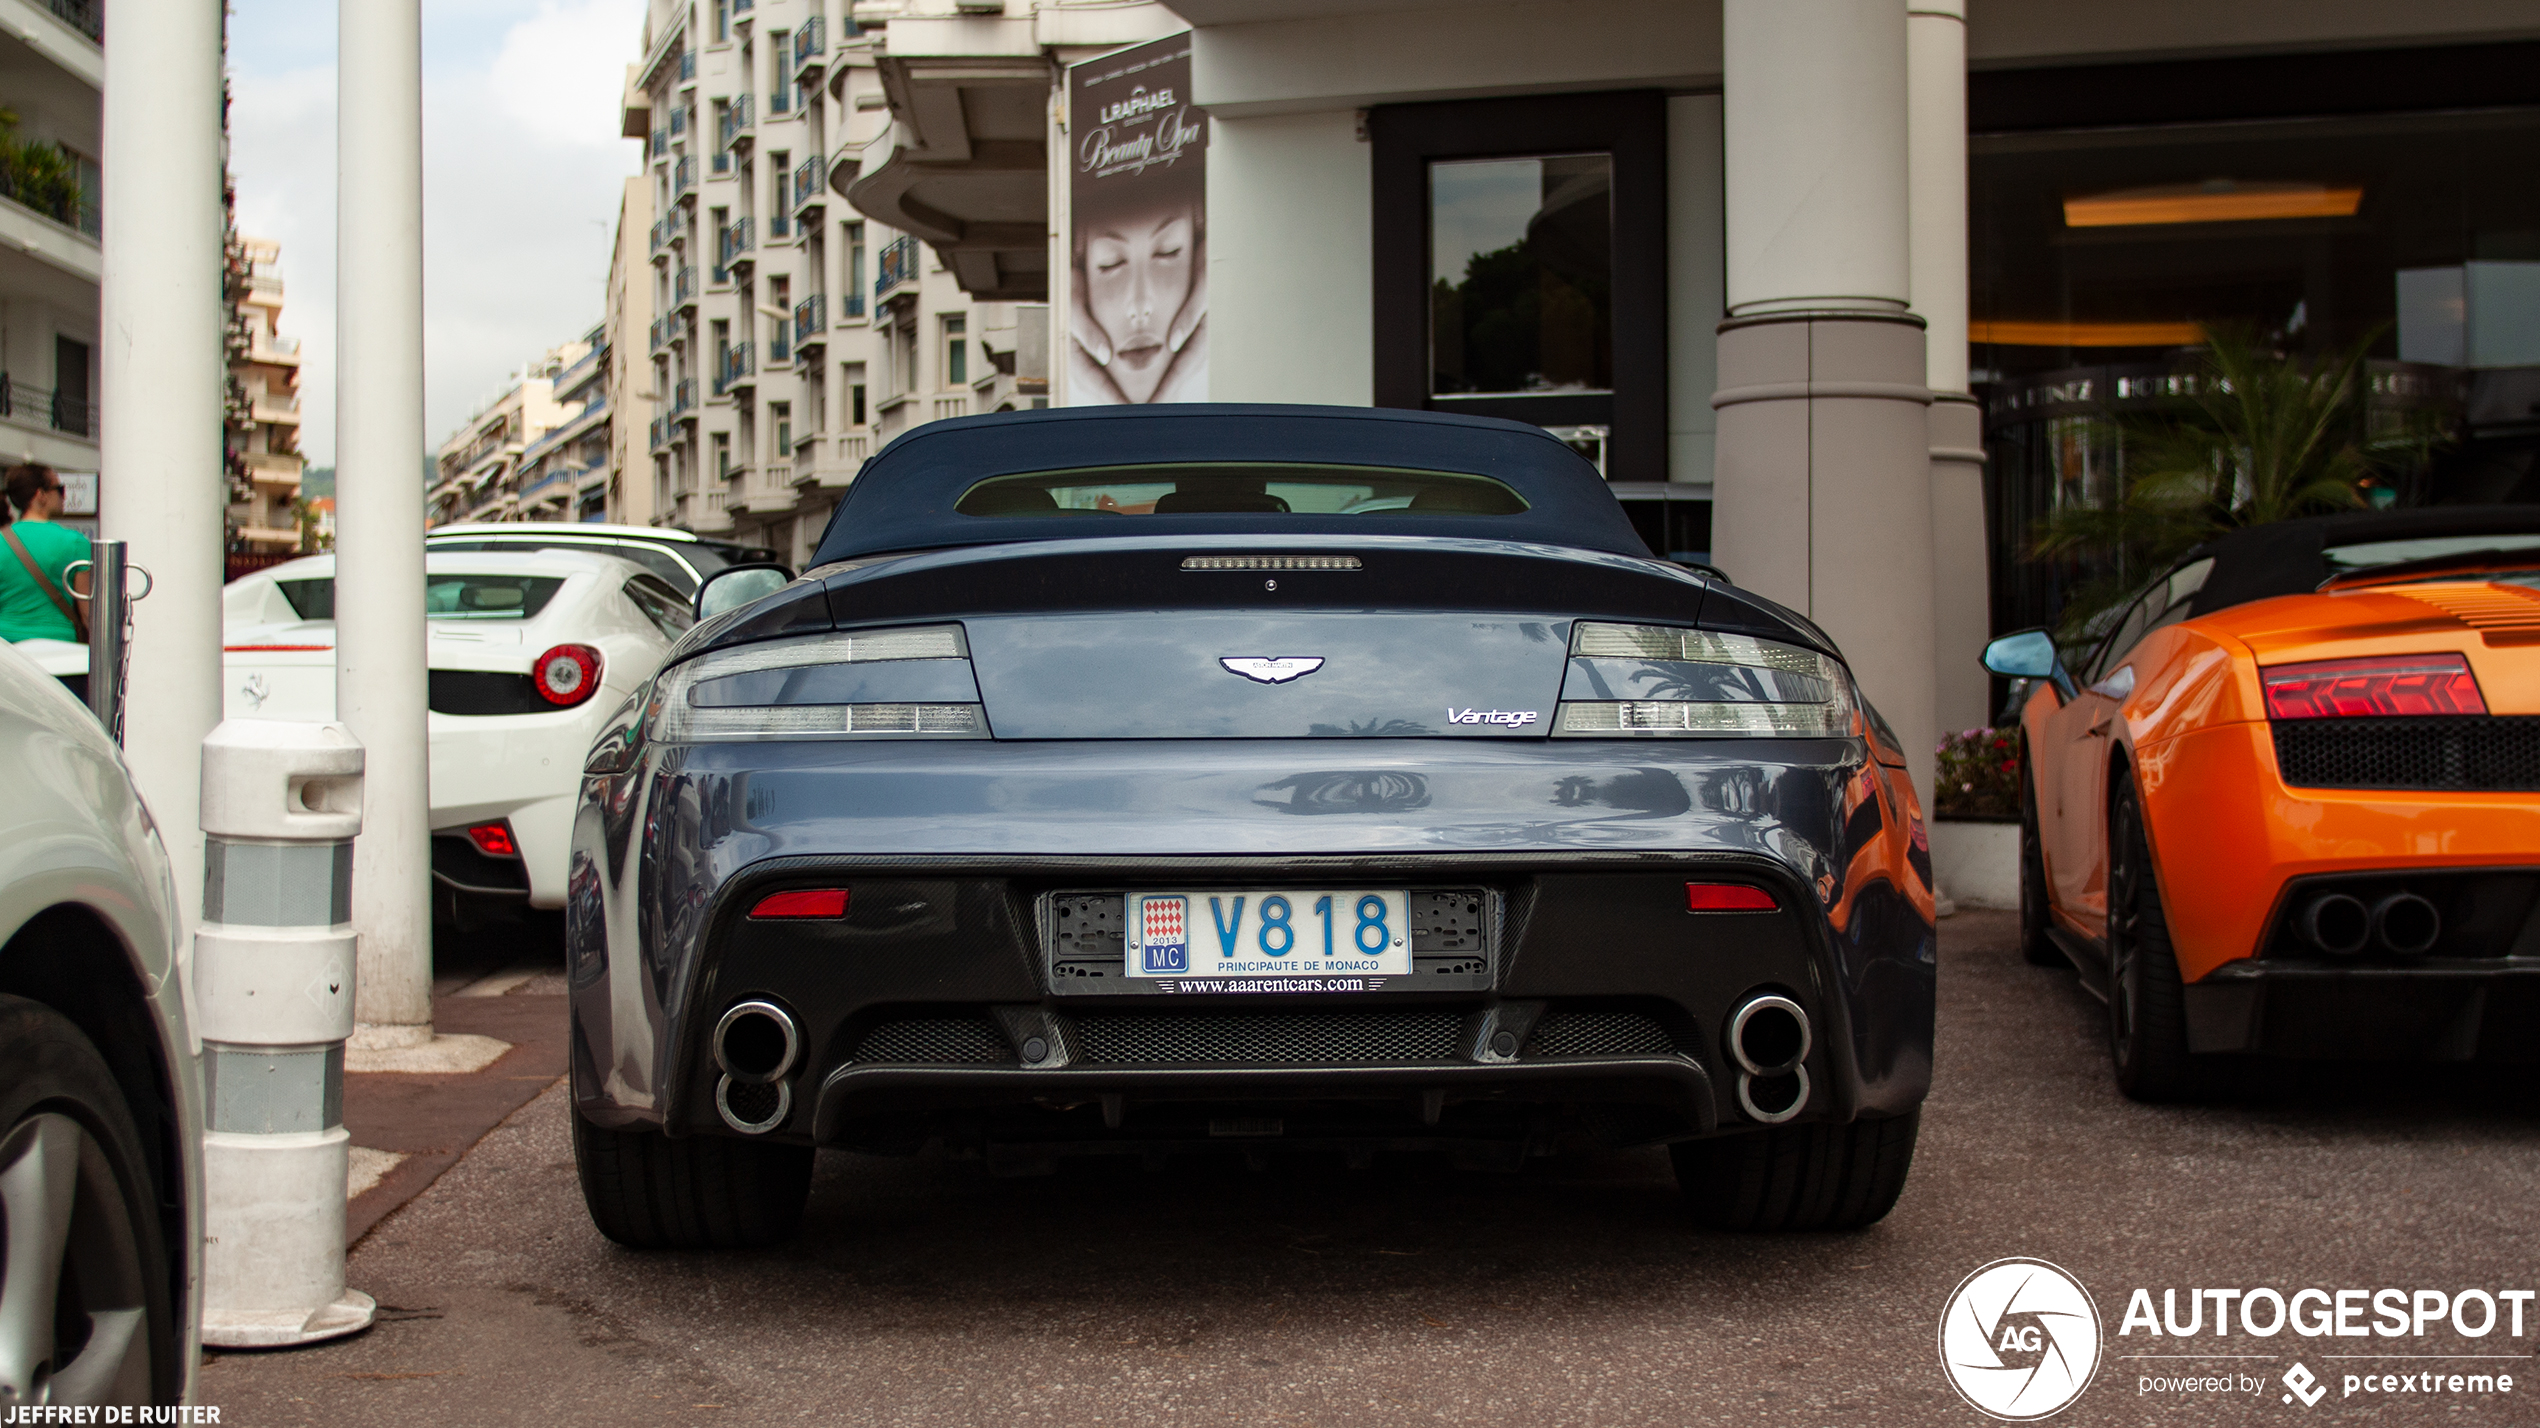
x=1639, y=681
x=567, y=675
x=494, y=840
x=2381, y=686
x=803, y=903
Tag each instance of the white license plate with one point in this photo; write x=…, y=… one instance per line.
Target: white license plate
x=1230, y=939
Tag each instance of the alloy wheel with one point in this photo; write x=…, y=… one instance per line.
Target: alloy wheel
x=73, y=1316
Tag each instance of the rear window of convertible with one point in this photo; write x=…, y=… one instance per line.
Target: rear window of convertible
x=1238, y=488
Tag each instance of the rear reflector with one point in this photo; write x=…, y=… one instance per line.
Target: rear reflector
x=2382, y=686
x=494, y=840
x=1727, y=897
x=803, y=902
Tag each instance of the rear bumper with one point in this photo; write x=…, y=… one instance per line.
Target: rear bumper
x=2488, y=1013
x=933, y=1009
x=2230, y=836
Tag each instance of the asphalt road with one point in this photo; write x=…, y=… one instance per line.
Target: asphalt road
x=925, y=1292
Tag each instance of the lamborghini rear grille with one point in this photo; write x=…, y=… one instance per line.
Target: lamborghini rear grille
x=936, y=1041
x=2467, y=752
x=1598, y=1034
x=1269, y=1039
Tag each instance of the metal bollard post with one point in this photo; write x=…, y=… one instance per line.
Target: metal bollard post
x=109, y=598
x=273, y=983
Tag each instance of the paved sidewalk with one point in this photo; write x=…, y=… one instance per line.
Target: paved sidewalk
x=429, y=1121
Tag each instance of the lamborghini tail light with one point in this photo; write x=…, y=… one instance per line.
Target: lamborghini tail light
x=2381, y=686
x=567, y=675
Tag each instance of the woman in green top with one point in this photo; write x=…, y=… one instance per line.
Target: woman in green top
x=32, y=601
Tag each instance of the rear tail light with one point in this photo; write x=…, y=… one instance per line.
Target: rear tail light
x=567, y=675
x=803, y=903
x=494, y=840
x=1662, y=680
x=1727, y=897
x=2380, y=687
x=685, y=713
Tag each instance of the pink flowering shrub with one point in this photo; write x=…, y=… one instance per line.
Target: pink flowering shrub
x=1979, y=773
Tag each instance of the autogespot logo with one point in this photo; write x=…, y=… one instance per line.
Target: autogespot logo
x=2019, y=1339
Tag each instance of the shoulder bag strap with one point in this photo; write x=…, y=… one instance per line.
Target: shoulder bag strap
x=43, y=582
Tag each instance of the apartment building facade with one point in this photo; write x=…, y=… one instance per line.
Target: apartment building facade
x=795, y=331
x=265, y=464
x=625, y=496
x=52, y=78
x=522, y=455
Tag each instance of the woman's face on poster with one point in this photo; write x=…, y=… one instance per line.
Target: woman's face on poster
x=1137, y=276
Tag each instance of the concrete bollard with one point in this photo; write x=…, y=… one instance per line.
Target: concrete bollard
x=273, y=989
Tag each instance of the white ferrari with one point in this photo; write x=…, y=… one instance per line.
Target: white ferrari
x=530, y=654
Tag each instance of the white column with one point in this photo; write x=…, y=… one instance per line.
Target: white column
x=1936, y=142
x=379, y=630
x=163, y=375
x=1823, y=481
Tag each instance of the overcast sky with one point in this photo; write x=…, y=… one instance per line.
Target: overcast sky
x=522, y=169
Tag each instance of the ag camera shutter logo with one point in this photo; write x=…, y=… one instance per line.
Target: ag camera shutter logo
x=2019, y=1340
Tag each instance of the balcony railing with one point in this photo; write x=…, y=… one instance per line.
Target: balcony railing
x=22, y=403
x=736, y=122
x=723, y=161
x=738, y=366
x=683, y=397
x=807, y=183
x=684, y=289
x=661, y=426
x=780, y=100
x=683, y=177
x=850, y=305
x=779, y=226
x=661, y=142
x=665, y=236
x=733, y=244
x=811, y=41
x=811, y=316
x=894, y=265
x=780, y=348
x=679, y=121
x=687, y=66
x=86, y=16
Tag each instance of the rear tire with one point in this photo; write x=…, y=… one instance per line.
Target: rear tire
x=2147, y=1009
x=1802, y=1177
x=646, y=1190
x=74, y=1187
x=2037, y=944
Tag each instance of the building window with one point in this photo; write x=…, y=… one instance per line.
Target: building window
x=853, y=306
x=956, y=350
x=1520, y=266
x=780, y=415
x=722, y=20
x=723, y=456
x=851, y=378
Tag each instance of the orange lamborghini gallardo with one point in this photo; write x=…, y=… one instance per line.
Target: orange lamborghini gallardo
x=2289, y=804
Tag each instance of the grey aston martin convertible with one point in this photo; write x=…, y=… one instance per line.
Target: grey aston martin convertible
x=1139, y=780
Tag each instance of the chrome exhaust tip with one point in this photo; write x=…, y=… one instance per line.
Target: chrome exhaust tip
x=2338, y=924
x=2406, y=924
x=753, y=1107
x=1769, y=1037
x=756, y=1043
x=1773, y=1099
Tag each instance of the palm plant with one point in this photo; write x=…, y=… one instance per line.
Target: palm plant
x=2264, y=438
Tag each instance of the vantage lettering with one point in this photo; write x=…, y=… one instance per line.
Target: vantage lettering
x=1505, y=718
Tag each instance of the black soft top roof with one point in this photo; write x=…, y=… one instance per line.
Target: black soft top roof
x=903, y=498
x=2291, y=557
